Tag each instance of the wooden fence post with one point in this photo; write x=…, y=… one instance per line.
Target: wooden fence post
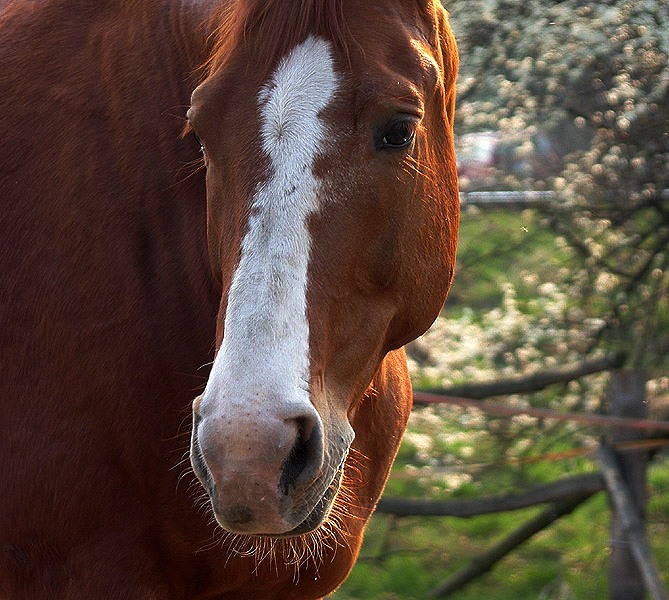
x=632, y=525
x=627, y=398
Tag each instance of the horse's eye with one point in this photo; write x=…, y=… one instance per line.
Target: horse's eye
x=399, y=133
x=199, y=141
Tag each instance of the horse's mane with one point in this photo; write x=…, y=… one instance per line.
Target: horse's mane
x=278, y=24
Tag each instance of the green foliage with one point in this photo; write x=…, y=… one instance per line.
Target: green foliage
x=489, y=243
x=579, y=97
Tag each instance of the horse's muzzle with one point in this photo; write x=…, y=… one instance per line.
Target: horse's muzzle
x=266, y=474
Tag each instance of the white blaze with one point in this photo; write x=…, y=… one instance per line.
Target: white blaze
x=266, y=341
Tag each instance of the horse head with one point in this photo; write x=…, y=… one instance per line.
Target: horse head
x=326, y=130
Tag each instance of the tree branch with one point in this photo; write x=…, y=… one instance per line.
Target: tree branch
x=559, y=491
x=487, y=560
x=531, y=383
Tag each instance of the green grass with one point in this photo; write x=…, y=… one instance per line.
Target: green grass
x=502, y=246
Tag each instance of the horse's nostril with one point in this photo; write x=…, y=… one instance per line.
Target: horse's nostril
x=306, y=456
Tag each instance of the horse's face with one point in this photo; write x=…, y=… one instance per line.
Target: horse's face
x=332, y=207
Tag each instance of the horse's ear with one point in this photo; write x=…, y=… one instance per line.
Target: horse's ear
x=442, y=37
x=448, y=51
x=449, y=47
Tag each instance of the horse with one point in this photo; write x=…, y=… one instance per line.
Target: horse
x=252, y=203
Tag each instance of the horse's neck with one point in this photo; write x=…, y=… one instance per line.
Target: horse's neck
x=90, y=125
x=120, y=71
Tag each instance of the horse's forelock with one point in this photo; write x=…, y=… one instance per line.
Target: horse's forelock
x=279, y=25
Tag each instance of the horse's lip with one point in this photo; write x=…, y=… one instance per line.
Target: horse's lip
x=318, y=514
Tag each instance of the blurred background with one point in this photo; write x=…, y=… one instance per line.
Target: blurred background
x=565, y=108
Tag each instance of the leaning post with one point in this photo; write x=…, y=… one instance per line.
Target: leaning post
x=627, y=398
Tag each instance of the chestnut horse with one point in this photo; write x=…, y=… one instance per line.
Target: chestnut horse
x=315, y=176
